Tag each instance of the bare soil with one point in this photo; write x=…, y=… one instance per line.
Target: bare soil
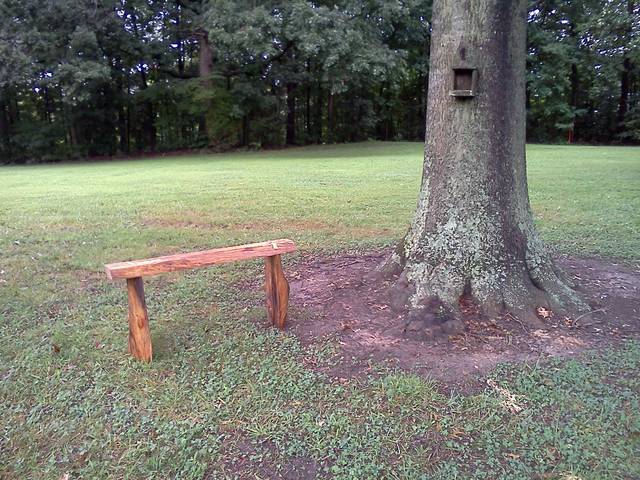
x=340, y=299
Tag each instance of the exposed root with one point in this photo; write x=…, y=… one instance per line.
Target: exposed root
x=432, y=294
x=394, y=264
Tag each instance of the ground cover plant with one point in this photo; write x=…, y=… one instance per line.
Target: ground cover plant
x=227, y=397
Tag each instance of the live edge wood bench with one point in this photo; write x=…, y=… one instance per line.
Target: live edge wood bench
x=277, y=287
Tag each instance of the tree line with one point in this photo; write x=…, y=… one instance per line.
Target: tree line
x=101, y=78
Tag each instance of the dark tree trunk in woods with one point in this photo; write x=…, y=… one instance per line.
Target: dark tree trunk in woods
x=574, y=79
x=575, y=96
x=291, y=114
x=317, y=122
x=625, y=76
x=245, y=131
x=473, y=234
x=307, y=112
x=149, y=123
x=307, y=106
x=205, y=69
x=625, y=82
x=330, y=118
x=46, y=113
x=5, y=131
x=123, y=130
x=205, y=59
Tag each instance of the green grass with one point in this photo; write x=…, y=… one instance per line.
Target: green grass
x=225, y=397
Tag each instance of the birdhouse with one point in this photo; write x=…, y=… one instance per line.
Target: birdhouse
x=465, y=80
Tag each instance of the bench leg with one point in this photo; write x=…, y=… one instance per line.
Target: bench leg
x=277, y=289
x=139, y=337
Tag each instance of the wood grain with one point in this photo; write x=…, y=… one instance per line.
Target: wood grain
x=277, y=289
x=139, y=336
x=170, y=263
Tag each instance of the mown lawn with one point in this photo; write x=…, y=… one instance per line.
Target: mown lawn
x=226, y=397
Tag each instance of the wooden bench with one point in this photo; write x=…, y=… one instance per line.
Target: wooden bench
x=277, y=287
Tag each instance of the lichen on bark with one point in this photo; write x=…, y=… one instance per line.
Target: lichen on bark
x=473, y=233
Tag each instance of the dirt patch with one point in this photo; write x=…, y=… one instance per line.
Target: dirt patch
x=338, y=300
x=243, y=458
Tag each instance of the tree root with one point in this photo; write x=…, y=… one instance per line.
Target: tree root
x=432, y=292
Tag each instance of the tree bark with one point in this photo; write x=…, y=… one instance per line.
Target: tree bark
x=149, y=122
x=317, y=122
x=625, y=83
x=291, y=114
x=307, y=110
x=245, y=130
x=123, y=130
x=205, y=59
x=625, y=75
x=473, y=234
x=330, y=118
x=205, y=69
x=5, y=125
x=575, y=97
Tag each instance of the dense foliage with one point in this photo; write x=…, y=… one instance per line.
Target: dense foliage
x=91, y=78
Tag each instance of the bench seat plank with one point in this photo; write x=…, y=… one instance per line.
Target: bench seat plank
x=181, y=261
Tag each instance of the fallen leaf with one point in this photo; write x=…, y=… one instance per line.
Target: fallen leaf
x=509, y=400
x=544, y=312
x=540, y=334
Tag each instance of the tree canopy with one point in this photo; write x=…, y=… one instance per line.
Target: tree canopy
x=101, y=78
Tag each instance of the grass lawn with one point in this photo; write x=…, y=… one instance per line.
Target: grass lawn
x=227, y=398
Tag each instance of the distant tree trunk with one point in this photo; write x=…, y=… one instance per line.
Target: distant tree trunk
x=73, y=135
x=205, y=59
x=148, y=123
x=330, y=118
x=625, y=82
x=46, y=104
x=179, y=39
x=625, y=76
x=473, y=234
x=5, y=127
x=574, y=79
x=317, y=122
x=245, y=131
x=291, y=114
x=575, y=97
x=307, y=111
x=205, y=69
x=123, y=130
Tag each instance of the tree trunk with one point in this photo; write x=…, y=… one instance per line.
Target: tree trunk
x=330, y=118
x=575, y=97
x=625, y=75
x=149, y=122
x=291, y=114
x=623, y=103
x=5, y=129
x=473, y=235
x=205, y=69
x=245, y=131
x=205, y=59
x=123, y=130
x=317, y=122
